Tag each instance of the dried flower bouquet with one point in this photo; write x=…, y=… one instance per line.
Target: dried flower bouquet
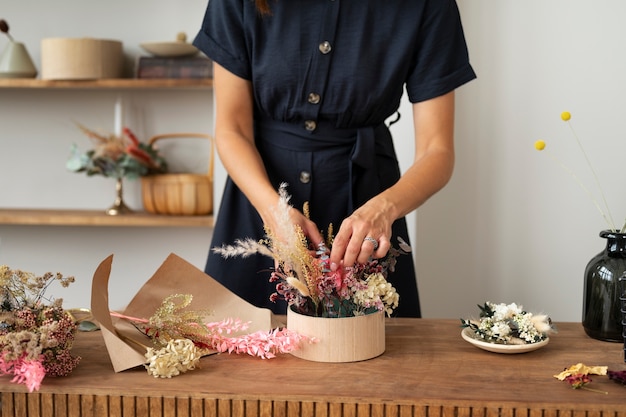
x=303, y=275
x=36, y=338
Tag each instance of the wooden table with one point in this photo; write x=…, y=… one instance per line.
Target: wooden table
x=427, y=370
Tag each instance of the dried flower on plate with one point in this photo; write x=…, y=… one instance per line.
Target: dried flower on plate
x=509, y=324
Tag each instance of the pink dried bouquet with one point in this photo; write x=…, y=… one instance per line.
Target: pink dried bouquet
x=36, y=337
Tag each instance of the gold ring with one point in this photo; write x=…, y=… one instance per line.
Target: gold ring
x=372, y=241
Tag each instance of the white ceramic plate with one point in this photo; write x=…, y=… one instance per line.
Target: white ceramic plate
x=470, y=336
x=169, y=49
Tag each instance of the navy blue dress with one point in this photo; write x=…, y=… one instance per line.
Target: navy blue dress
x=326, y=74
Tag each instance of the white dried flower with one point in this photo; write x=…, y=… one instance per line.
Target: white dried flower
x=379, y=293
x=510, y=324
x=178, y=356
x=298, y=285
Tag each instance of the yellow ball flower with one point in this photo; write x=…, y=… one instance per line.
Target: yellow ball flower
x=540, y=145
x=565, y=116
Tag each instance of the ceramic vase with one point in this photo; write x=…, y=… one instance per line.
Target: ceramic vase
x=340, y=339
x=15, y=62
x=601, y=298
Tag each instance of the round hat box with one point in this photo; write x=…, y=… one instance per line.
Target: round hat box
x=341, y=339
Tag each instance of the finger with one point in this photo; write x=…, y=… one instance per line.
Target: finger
x=373, y=249
x=346, y=252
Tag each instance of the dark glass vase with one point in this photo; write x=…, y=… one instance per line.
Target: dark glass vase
x=602, y=316
x=622, y=291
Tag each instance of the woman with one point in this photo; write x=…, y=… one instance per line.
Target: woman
x=303, y=89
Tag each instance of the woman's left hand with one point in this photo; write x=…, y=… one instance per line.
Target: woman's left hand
x=365, y=234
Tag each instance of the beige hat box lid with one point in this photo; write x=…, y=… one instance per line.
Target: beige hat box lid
x=81, y=59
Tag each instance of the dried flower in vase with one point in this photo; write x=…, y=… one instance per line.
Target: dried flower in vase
x=305, y=280
x=117, y=156
x=603, y=208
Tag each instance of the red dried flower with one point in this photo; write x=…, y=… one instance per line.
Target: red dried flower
x=617, y=376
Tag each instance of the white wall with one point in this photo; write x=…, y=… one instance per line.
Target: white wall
x=511, y=225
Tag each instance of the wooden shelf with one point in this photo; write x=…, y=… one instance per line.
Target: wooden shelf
x=45, y=217
x=121, y=83
x=59, y=217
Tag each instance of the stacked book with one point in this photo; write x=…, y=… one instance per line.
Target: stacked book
x=181, y=67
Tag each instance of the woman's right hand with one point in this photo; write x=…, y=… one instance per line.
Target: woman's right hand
x=296, y=218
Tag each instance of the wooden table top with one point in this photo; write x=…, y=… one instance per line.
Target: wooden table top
x=426, y=363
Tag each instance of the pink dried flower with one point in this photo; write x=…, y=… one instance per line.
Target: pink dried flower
x=36, y=339
x=29, y=373
x=265, y=345
x=578, y=381
x=172, y=322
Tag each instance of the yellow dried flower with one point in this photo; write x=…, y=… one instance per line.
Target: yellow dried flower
x=565, y=116
x=581, y=368
x=540, y=145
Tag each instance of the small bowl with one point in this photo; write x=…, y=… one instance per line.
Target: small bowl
x=169, y=49
x=470, y=336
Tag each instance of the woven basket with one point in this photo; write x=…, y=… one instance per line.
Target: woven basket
x=182, y=194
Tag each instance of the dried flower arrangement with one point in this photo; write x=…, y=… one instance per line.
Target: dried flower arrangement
x=182, y=336
x=604, y=209
x=577, y=376
x=118, y=157
x=304, y=278
x=509, y=324
x=36, y=338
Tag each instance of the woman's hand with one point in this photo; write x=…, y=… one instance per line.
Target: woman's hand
x=433, y=122
x=309, y=228
x=365, y=234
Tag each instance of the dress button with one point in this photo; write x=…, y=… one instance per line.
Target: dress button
x=325, y=47
x=314, y=98
x=310, y=125
x=305, y=177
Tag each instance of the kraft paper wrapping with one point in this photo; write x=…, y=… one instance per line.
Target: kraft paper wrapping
x=126, y=345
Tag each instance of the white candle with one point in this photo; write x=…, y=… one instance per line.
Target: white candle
x=118, y=122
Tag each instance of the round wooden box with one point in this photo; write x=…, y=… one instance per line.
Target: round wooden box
x=344, y=339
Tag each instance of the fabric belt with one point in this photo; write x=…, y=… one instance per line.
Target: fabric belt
x=365, y=144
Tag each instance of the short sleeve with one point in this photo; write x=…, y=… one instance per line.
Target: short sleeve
x=442, y=60
x=222, y=36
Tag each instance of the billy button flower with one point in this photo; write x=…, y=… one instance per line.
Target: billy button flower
x=604, y=210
